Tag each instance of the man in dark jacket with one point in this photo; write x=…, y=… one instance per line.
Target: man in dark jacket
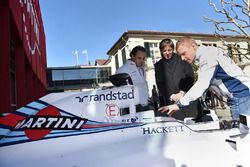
x=174, y=76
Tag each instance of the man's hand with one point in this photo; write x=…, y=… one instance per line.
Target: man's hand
x=176, y=97
x=169, y=109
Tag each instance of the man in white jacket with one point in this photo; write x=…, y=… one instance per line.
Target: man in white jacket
x=135, y=67
x=215, y=68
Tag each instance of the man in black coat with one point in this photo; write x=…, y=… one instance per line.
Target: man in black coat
x=174, y=76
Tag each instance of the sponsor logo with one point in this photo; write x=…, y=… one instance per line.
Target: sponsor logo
x=129, y=120
x=112, y=110
x=112, y=95
x=165, y=129
x=51, y=122
x=31, y=27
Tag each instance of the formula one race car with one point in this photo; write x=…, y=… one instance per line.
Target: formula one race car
x=90, y=128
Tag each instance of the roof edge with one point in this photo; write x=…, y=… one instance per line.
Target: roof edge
x=125, y=35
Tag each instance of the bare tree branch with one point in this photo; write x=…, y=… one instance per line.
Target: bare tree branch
x=229, y=11
x=235, y=20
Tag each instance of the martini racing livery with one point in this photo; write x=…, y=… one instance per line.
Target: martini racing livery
x=101, y=127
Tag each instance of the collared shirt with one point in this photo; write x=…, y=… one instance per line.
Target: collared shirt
x=141, y=71
x=138, y=77
x=218, y=70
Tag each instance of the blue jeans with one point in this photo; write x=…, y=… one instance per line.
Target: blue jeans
x=239, y=105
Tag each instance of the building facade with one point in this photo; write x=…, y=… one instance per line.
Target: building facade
x=77, y=78
x=22, y=54
x=119, y=52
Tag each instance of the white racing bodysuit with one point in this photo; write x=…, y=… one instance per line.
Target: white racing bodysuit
x=138, y=76
x=217, y=69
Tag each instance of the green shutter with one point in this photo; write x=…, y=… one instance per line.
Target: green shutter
x=146, y=45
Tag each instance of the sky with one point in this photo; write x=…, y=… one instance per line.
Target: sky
x=95, y=25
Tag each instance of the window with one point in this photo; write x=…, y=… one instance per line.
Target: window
x=88, y=73
x=103, y=74
x=71, y=74
x=124, y=56
x=57, y=75
x=147, y=47
x=234, y=53
x=116, y=62
x=151, y=48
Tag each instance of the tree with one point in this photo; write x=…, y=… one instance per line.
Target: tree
x=233, y=18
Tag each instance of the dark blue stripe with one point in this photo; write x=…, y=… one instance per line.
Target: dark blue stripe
x=20, y=113
x=84, y=129
x=6, y=127
x=33, y=108
x=81, y=133
x=65, y=112
x=234, y=86
x=42, y=102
